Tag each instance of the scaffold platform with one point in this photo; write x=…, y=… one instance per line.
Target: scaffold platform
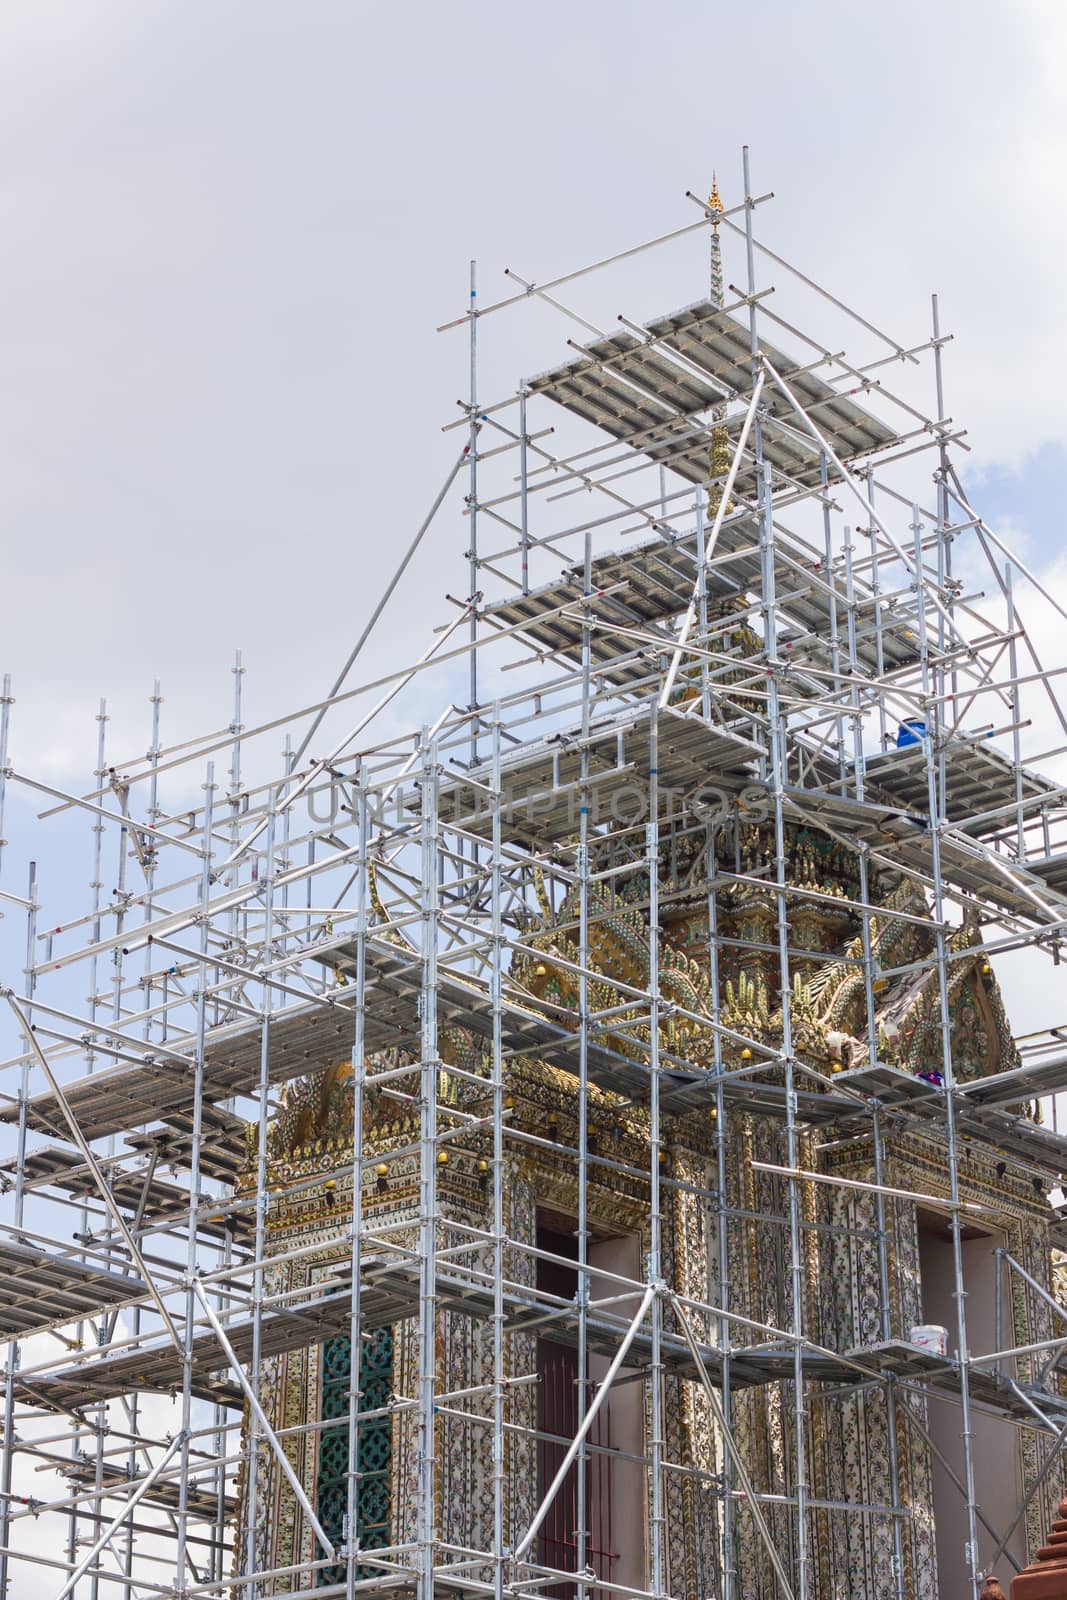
x=904, y=838
x=1017, y=1137
x=137, y=1191
x=634, y=594
x=982, y=785
x=646, y=392
x=541, y=781
x=200, y=1504
x=418, y=875
x=45, y=1289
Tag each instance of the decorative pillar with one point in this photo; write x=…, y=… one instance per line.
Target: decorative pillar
x=1046, y=1576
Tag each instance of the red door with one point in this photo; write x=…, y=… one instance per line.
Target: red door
x=557, y=1415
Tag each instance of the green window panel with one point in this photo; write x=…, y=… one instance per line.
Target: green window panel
x=375, y=1447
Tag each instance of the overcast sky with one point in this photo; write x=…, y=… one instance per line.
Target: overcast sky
x=231, y=229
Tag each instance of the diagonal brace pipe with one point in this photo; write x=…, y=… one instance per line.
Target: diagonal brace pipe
x=1054, y=1455
x=261, y=1417
x=910, y=564
x=109, y=1532
x=735, y=1454
x=587, y=1422
x=383, y=602
x=709, y=548
x=94, y=1167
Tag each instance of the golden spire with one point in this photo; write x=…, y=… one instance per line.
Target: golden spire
x=716, y=206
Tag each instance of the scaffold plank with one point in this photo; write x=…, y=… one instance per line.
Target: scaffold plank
x=941, y=1375
x=648, y=585
x=1051, y=869
x=978, y=779
x=222, y=1142
x=44, y=1289
x=905, y=837
x=1015, y=1136
x=155, y=1365
x=1033, y=1079
x=159, y=1202
x=636, y=391
x=201, y=1504
x=307, y=1039
x=541, y=781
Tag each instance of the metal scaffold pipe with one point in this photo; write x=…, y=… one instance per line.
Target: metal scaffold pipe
x=544, y=1142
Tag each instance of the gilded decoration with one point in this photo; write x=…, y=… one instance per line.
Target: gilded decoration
x=725, y=1228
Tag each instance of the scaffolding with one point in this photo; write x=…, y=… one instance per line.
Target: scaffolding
x=355, y=905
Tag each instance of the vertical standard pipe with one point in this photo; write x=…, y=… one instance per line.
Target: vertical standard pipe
x=778, y=733
x=472, y=508
x=96, y=884
x=96, y=1432
x=359, y=1106
x=750, y=264
x=426, y=1476
x=194, y=1182
x=12, y=1364
x=1016, y=713
x=496, y=977
x=890, y=1390
x=657, y=1407
x=252, y=1503
x=150, y=864
x=722, y=1296
x=944, y=473
x=524, y=491
x=117, y=985
x=835, y=639
x=583, y=864
x=359, y=1092
x=778, y=778
x=998, y=1306
x=235, y=930
x=936, y=802
x=876, y=592
x=6, y=702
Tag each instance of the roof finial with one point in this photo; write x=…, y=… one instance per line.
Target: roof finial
x=716, y=206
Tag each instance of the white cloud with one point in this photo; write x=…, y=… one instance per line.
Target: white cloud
x=228, y=247
x=230, y=232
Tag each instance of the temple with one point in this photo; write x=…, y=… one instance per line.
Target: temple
x=762, y=966
x=560, y=1132
x=723, y=1242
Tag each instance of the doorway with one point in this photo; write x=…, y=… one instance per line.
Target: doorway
x=614, y=1480
x=995, y=1446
